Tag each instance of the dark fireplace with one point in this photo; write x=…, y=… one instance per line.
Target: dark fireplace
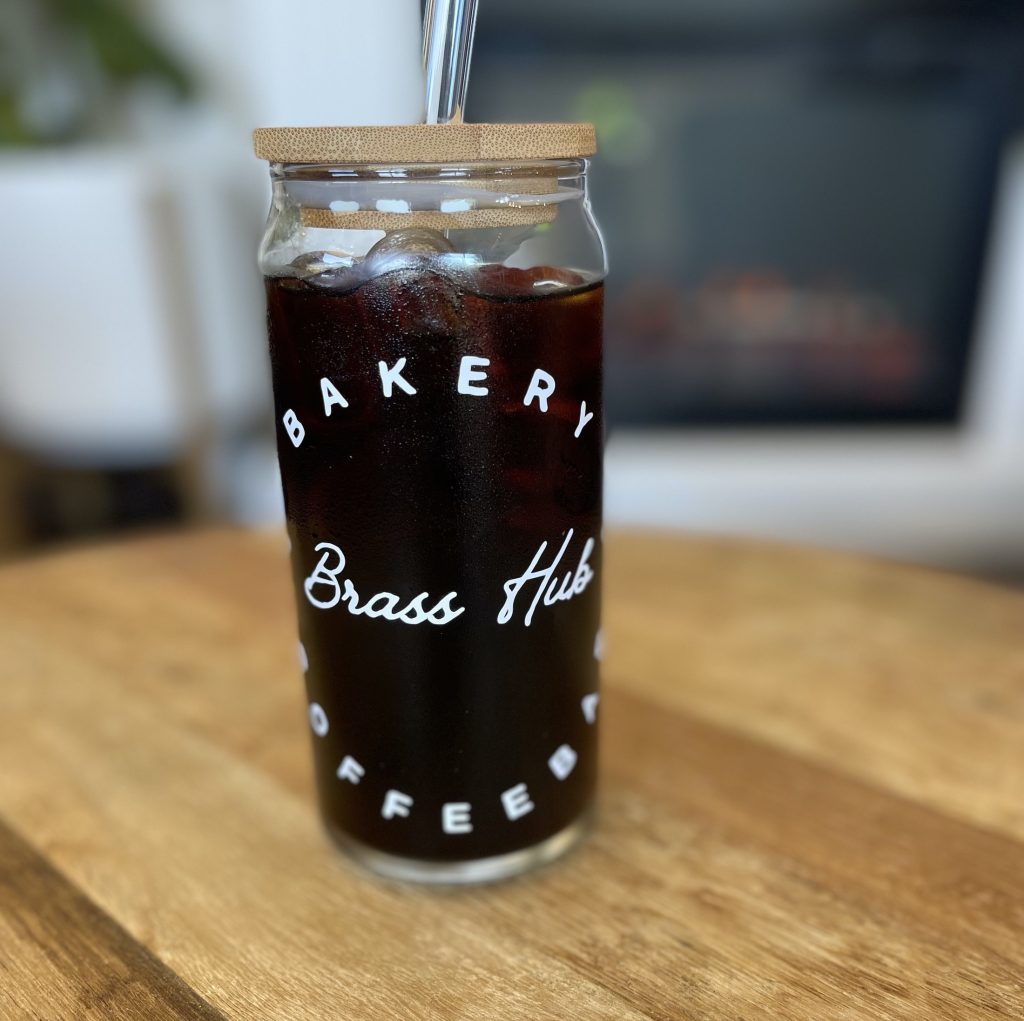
x=797, y=204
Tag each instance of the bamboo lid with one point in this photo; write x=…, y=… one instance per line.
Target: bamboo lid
x=426, y=143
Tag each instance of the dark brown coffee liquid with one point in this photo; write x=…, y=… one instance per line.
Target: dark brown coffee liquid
x=438, y=492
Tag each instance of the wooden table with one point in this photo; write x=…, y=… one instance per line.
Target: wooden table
x=812, y=804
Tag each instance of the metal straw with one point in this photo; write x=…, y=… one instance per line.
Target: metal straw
x=448, y=27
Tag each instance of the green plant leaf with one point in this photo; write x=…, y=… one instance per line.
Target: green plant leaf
x=13, y=130
x=123, y=46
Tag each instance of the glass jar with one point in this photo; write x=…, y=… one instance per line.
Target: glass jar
x=435, y=329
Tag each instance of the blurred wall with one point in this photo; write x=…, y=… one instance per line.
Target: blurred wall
x=133, y=377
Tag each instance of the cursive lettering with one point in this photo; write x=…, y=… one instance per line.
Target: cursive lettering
x=383, y=604
x=551, y=589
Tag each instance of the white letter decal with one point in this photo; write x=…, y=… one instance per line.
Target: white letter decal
x=332, y=395
x=295, y=429
x=350, y=770
x=387, y=600
x=516, y=802
x=396, y=803
x=469, y=374
x=542, y=393
x=444, y=612
x=318, y=719
x=585, y=417
x=513, y=587
x=383, y=604
x=455, y=817
x=584, y=572
x=324, y=575
x=589, y=704
x=563, y=762
x=393, y=377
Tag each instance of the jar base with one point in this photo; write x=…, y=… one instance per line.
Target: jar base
x=463, y=873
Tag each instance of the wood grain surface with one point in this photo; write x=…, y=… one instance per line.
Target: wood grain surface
x=812, y=804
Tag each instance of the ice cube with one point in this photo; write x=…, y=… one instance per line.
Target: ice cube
x=411, y=241
x=416, y=299
x=312, y=263
x=326, y=270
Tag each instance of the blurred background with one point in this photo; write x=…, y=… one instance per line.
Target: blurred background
x=815, y=213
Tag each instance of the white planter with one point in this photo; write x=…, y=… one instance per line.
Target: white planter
x=132, y=317
x=87, y=362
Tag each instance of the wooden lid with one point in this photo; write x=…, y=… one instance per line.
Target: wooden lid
x=370, y=219
x=426, y=143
